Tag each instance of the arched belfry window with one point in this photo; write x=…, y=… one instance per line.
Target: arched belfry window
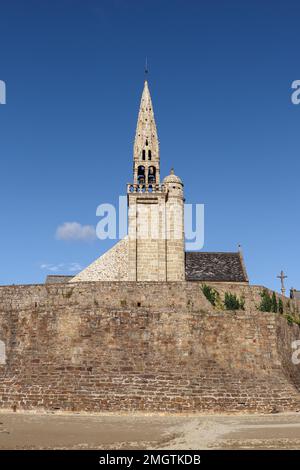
x=151, y=175
x=144, y=155
x=147, y=142
x=149, y=155
x=141, y=175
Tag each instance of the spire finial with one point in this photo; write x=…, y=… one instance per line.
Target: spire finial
x=172, y=171
x=146, y=67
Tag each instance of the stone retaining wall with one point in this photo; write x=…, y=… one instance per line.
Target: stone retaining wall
x=156, y=347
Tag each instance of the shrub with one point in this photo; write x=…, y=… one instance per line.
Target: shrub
x=290, y=319
x=280, y=306
x=232, y=302
x=211, y=294
x=266, y=301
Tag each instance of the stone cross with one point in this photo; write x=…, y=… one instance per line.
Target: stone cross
x=282, y=277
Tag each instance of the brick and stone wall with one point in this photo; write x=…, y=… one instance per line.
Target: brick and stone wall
x=109, y=346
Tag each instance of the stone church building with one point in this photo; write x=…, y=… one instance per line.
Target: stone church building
x=154, y=249
x=155, y=346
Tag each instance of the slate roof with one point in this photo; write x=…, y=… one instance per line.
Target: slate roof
x=57, y=279
x=219, y=267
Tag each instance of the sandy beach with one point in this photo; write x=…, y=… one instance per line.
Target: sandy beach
x=24, y=430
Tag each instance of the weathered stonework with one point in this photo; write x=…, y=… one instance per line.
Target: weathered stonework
x=156, y=241
x=156, y=211
x=126, y=346
x=175, y=245
x=146, y=228
x=156, y=345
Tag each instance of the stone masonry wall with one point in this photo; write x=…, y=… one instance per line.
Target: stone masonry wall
x=147, y=244
x=109, y=346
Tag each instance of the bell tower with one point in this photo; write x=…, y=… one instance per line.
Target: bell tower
x=146, y=146
x=155, y=210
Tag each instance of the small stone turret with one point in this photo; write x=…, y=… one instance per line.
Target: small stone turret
x=173, y=185
x=175, y=246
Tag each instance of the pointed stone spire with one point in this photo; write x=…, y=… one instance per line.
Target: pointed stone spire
x=146, y=146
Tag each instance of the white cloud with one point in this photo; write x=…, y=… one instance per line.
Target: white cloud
x=75, y=231
x=52, y=267
x=73, y=267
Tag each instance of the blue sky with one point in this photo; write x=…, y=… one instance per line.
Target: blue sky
x=220, y=79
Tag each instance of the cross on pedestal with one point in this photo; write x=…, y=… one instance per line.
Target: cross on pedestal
x=282, y=277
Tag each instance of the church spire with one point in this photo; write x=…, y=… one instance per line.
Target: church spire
x=146, y=147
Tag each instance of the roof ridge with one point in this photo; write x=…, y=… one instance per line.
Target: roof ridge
x=216, y=252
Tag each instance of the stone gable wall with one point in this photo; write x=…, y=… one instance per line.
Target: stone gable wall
x=155, y=347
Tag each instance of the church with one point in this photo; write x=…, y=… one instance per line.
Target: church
x=136, y=331
x=154, y=249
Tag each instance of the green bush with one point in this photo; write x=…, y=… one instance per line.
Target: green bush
x=211, y=294
x=266, y=301
x=232, y=302
x=269, y=303
x=290, y=319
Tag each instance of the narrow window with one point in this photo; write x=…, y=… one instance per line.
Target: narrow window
x=149, y=155
x=141, y=175
x=144, y=155
x=151, y=175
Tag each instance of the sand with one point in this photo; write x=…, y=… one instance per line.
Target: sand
x=24, y=430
